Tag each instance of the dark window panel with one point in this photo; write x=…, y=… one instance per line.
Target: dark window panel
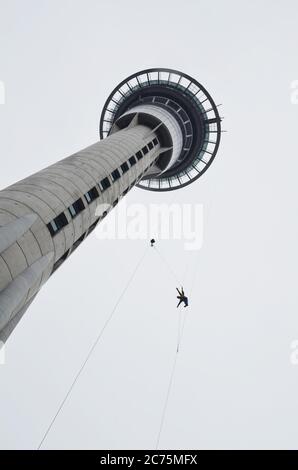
x=173, y=105
x=57, y=224
x=183, y=115
x=132, y=160
x=124, y=167
x=139, y=155
x=76, y=207
x=150, y=145
x=105, y=183
x=61, y=221
x=160, y=99
x=116, y=175
x=155, y=141
x=91, y=195
x=145, y=150
x=187, y=142
x=51, y=229
x=188, y=128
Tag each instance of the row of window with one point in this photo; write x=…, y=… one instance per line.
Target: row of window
x=137, y=179
x=59, y=222
x=92, y=227
x=74, y=209
x=76, y=244
x=116, y=174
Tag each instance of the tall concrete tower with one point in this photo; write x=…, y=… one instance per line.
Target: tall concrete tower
x=160, y=131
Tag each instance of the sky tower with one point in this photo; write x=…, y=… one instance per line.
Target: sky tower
x=160, y=131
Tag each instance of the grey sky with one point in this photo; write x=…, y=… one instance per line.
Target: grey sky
x=235, y=386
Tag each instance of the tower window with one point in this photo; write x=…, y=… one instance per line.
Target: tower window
x=132, y=160
x=188, y=128
x=173, y=105
x=160, y=99
x=124, y=167
x=155, y=141
x=150, y=145
x=91, y=195
x=187, y=142
x=139, y=155
x=76, y=208
x=105, y=183
x=145, y=150
x=116, y=175
x=57, y=224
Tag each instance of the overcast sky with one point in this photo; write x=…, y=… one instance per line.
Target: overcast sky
x=235, y=386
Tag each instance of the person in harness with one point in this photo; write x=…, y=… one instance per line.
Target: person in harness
x=182, y=297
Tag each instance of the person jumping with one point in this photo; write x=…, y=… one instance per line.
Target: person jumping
x=182, y=297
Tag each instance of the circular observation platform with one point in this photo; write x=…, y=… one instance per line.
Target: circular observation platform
x=195, y=112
